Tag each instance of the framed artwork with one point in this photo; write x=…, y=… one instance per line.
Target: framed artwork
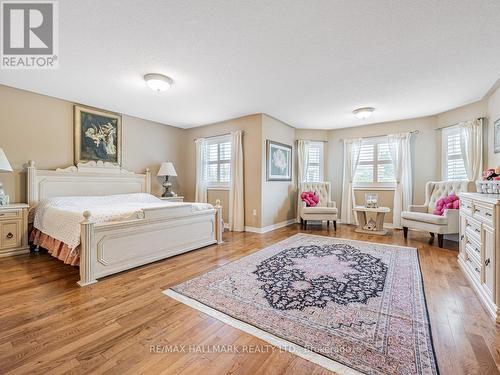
x=278, y=161
x=496, y=136
x=98, y=135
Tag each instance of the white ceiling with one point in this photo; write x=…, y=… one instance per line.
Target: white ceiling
x=308, y=63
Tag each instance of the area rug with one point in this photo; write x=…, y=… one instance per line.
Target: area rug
x=352, y=307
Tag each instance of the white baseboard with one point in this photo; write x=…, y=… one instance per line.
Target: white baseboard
x=270, y=227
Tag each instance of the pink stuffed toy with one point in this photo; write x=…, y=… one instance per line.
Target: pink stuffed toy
x=310, y=198
x=451, y=202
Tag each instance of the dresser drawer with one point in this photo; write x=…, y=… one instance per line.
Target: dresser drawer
x=10, y=234
x=474, y=267
x=473, y=250
x=466, y=205
x=10, y=215
x=483, y=213
x=473, y=229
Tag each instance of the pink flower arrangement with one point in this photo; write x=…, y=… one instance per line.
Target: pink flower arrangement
x=451, y=202
x=310, y=198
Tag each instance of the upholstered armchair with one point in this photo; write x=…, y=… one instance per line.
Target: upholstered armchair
x=324, y=210
x=421, y=217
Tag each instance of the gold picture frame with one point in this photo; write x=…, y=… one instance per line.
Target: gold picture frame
x=97, y=135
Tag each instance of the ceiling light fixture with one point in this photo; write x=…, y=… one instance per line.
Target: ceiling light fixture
x=363, y=113
x=158, y=82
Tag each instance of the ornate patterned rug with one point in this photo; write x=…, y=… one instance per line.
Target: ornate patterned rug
x=346, y=305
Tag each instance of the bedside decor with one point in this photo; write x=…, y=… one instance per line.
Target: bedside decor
x=98, y=136
x=278, y=161
x=4, y=167
x=371, y=200
x=14, y=229
x=166, y=170
x=496, y=136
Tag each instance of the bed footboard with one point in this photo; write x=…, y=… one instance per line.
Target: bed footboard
x=108, y=248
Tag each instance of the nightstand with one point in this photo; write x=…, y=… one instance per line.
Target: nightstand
x=14, y=229
x=177, y=198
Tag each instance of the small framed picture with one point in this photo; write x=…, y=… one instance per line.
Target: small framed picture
x=496, y=136
x=4, y=200
x=98, y=135
x=278, y=161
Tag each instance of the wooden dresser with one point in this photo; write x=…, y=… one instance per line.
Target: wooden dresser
x=479, y=255
x=14, y=229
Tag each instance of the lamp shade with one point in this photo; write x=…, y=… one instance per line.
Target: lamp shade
x=4, y=163
x=167, y=169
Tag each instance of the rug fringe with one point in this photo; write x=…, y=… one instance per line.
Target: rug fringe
x=266, y=336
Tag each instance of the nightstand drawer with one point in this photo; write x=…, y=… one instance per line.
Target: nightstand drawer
x=10, y=234
x=10, y=214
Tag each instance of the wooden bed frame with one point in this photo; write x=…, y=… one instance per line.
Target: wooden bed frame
x=111, y=247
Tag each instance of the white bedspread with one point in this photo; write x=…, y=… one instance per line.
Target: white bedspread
x=60, y=217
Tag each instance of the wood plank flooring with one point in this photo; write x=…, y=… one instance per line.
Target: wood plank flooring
x=50, y=325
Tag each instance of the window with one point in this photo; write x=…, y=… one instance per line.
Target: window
x=375, y=164
x=315, y=162
x=218, y=168
x=453, y=160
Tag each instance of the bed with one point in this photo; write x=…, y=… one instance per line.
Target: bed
x=106, y=221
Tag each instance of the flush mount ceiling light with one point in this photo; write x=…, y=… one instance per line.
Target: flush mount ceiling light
x=363, y=113
x=158, y=82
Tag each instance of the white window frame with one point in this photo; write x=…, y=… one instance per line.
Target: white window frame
x=374, y=184
x=447, y=132
x=217, y=185
x=321, y=164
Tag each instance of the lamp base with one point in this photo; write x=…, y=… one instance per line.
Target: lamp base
x=168, y=189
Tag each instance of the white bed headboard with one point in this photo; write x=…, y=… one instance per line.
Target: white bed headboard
x=84, y=179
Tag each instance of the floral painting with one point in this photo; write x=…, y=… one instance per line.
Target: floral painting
x=97, y=136
x=279, y=161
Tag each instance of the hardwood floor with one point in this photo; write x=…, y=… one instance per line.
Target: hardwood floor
x=50, y=325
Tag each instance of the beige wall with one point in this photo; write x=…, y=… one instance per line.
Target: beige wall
x=40, y=128
x=278, y=197
x=251, y=126
x=493, y=160
x=423, y=148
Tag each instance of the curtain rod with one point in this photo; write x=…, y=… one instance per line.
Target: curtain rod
x=216, y=136
x=383, y=135
x=458, y=123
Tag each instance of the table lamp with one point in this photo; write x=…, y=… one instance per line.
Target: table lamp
x=4, y=167
x=166, y=170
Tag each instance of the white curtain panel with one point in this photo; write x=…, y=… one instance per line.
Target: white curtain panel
x=302, y=161
x=201, y=162
x=472, y=147
x=352, y=148
x=236, y=198
x=400, y=149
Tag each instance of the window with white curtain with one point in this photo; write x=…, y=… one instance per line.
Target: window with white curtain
x=375, y=167
x=315, y=164
x=452, y=158
x=218, y=168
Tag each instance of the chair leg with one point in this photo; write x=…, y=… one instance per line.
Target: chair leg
x=432, y=234
x=335, y=225
x=405, y=232
x=328, y=223
x=305, y=224
x=440, y=240
x=301, y=223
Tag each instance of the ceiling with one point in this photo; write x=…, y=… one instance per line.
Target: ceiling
x=307, y=63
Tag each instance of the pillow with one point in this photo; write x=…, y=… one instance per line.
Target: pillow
x=310, y=198
x=451, y=202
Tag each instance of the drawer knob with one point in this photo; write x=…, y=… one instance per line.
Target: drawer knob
x=477, y=270
x=487, y=262
x=477, y=230
x=488, y=214
x=462, y=237
x=9, y=235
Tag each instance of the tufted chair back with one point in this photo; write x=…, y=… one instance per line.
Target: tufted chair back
x=436, y=190
x=321, y=189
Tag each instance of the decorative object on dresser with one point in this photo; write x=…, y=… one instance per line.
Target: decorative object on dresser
x=149, y=233
x=166, y=170
x=352, y=307
x=371, y=226
x=421, y=217
x=4, y=167
x=479, y=255
x=98, y=135
x=371, y=200
x=175, y=198
x=14, y=229
x=278, y=161
x=325, y=209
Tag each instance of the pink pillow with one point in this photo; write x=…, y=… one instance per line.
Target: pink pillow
x=451, y=202
x=310, y=198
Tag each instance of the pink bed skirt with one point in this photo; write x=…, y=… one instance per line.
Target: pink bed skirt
x=56, y=248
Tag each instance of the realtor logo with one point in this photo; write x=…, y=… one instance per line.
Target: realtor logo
x=29, y=37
